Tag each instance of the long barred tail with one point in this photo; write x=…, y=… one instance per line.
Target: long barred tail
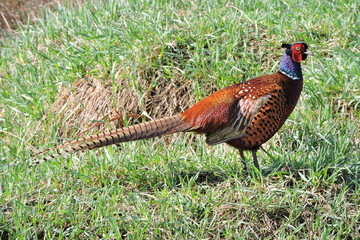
x=145, y=130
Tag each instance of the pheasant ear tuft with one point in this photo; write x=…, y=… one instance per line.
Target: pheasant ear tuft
x=285, y=45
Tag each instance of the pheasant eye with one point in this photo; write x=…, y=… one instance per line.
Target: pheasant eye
x=297, y=48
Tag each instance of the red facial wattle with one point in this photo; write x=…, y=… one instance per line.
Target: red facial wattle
x=297, y=52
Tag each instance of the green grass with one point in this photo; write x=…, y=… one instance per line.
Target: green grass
x=183, y=189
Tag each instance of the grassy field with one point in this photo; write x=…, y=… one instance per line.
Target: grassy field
x=105, y=60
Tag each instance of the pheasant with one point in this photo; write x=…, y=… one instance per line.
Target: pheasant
x=244, y=115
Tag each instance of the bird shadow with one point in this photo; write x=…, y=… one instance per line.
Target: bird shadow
x=208, y=177
x=288, y=173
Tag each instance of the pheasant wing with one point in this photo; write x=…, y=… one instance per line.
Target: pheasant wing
x=242, y=115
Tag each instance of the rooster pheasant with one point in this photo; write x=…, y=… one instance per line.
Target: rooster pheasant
x=244, y=115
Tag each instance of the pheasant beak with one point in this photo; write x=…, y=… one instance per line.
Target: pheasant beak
x=308, y=52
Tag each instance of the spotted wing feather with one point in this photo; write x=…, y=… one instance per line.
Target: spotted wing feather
x=242, y=116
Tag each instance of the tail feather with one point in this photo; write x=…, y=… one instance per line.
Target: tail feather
x=140, y=131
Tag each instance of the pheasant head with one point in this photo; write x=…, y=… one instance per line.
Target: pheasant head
x=294, y=54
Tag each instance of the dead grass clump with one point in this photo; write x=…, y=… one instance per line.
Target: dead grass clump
x=92, y=102
x=13, y=12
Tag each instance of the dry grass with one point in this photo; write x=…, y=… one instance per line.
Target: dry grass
x=92, y=102
x=13, y=12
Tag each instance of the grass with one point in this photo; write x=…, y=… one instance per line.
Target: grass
x=178, y=187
